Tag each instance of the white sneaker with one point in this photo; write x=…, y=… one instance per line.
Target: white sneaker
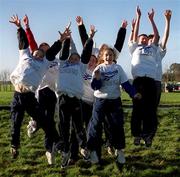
x=31, y=128
x=65, y=159
x=85, y=153
x=50, y=157
x=93, y=157
x=110, y=150
x=120, y=156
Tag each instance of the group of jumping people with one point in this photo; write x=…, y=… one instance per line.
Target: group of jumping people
x=84, y=90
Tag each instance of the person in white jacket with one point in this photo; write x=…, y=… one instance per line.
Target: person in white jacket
x=26, y=78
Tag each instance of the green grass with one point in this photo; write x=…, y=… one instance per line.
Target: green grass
x=161, y=160
x=166, y=98
x=6, y=98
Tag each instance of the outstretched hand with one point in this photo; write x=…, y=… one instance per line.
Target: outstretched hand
x=26, y=21
x=168, y=14
x=151, y=14
x=133, y=24
x=124, y=24
x=138, y=11
x=66, y=34
x=15, y=20
x=79, y=20
x=92, y=31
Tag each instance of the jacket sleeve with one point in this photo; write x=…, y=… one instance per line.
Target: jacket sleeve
x=120, y=39
x=87, y=51
x=22, y=39
x=130, y=89
x=64, y=54
x=32, y=43
x=83, y=34
x=53, y=50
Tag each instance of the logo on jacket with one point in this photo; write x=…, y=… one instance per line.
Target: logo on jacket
x=87, y=76
x=67, y=64
x=108, y=75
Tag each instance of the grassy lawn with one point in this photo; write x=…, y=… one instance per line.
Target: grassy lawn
x=6, y=98
x=166, y=98
x=161, y=160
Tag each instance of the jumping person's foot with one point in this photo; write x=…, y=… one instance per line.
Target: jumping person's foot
x=148, y=141
x=137, y=140
x=93, y=157
x=14, y=152
x=50, y=157
x=85, y=153
x=120, y=156
x=110, y=150
x=31, y=128
x=65, y=159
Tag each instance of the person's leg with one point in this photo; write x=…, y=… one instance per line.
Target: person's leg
x=95, y=127
x=150, y=121
x=47, y=101
x=74, y=147
x=65, y=112
x=34, y=109
x=77, y=122
x=108, y=136
x=158, y=92
x=116, y=121
x=17, y=114
x=86, y=113
x=137, y=112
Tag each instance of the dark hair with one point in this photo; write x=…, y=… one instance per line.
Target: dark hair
x=43, y=44
x=143, y=35
x=74, y=53
x=150, y=36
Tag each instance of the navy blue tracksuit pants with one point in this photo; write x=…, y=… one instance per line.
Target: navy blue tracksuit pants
x=47, y=100
x=70, y=109
x=112, y=109
x=144, y=119
x=26, y=102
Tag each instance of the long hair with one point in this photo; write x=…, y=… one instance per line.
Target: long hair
x=102, y=49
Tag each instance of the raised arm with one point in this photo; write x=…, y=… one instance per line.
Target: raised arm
x=87, y=50
x=121, y=36
x=32, y=42
x=136, y=27
x=132, y=30
x=64, y=54
x=82, y=30
x=167, y=16
x=22, y=38
x=56, y=47
x=155, y=30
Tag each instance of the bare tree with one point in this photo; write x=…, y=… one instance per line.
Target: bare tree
x=4, y=79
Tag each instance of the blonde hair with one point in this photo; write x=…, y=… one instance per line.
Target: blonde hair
x=102, y=49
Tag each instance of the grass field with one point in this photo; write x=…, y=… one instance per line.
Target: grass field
x=166, y=98
x=161, y=160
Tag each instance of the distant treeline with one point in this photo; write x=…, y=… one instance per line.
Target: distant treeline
x=6, y=86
